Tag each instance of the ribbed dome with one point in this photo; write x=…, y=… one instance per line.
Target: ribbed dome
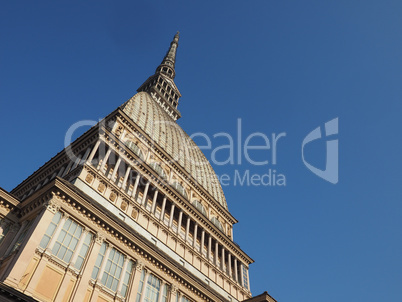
x=169, y=136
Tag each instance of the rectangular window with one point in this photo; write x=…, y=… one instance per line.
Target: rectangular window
x=113, y=269
x=50, y=230
x=152, y=289
x=83, y=252
x=126, y=278
x=99, y=260
x=245, y=277
x=165, y=293
x=67, y=241
x=140, y=286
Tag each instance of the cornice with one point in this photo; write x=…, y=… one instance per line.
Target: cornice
x=8, y=202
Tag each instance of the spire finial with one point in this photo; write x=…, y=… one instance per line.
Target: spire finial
x=170, y=58
x=161, y=85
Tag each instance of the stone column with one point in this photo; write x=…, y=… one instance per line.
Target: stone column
x=76, y=162
x=173, y=293
x=209, y=247
x=60, y=171
x=230, y=265
x=202, y=242
x=103, y=266
x=116, y=168
x=57, y=232
x=179, y=222
x=136, y=281
x=187, y=229
x=100, y=168
x=137, y=180
x=123, y=272
x=171, y=216
x=84, y=158
x=162, y=218
x=195, y=234
x=223, y=260
x=241, y=274
x=154, y=202
x=144, y=286
x=68, y=168
x=85, y=231
x=95, y=148
x=248, y=280
x=236, y=271
x=125, y=178
x=145, y=196
x=216, y=252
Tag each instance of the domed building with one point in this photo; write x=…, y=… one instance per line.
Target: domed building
x=130, y=211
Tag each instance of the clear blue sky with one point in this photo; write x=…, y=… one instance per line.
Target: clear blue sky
x=280, y=66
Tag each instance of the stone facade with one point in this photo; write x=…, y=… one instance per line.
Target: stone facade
x=130, y=211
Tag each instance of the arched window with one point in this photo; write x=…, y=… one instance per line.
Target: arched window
x=200, y=207
x=158, y=169
x=216, y=222
x=133, y=147
x=180, y=189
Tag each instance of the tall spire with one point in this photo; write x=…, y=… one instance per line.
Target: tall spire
x=169, y=60
x=161, y=85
